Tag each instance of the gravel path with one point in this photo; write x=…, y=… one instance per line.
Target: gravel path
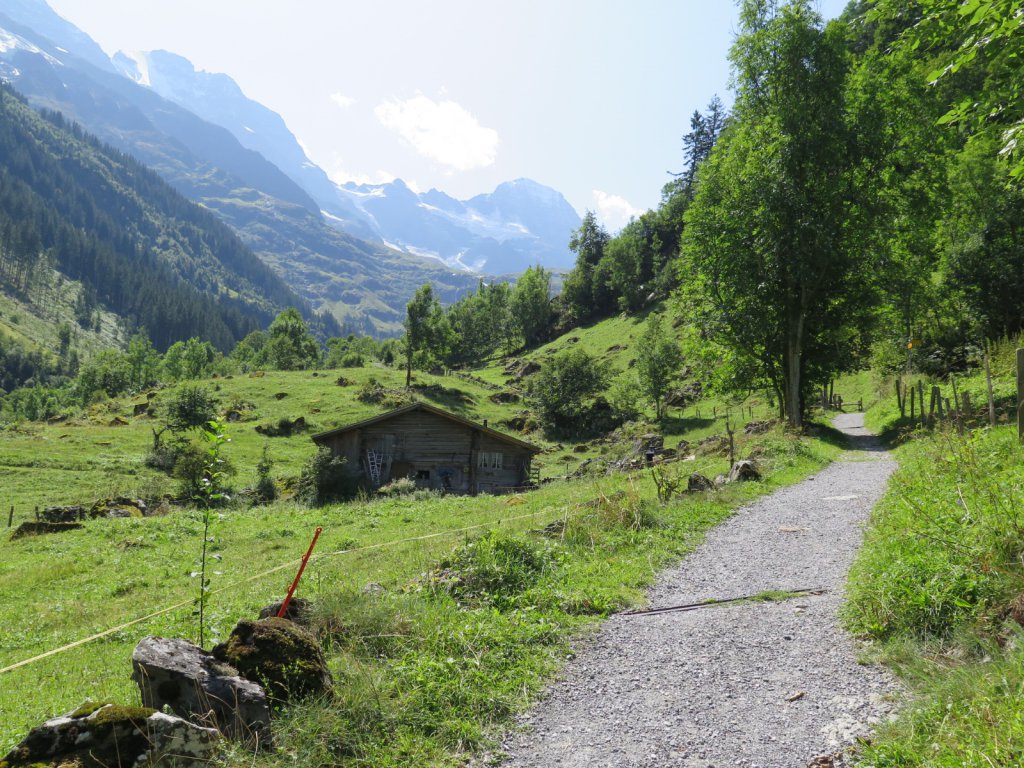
x=749, y=684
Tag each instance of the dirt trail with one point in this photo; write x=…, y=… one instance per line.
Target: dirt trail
x=771, y=684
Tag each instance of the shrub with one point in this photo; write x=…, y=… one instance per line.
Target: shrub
x=264, y=491
x=493, y=569
x=403, y=486
x=192, y=469
x=325, y=478
x=190, y=407
x=563, y=391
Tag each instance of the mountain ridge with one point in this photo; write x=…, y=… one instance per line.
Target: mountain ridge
x=519, y=224
x=272, y=214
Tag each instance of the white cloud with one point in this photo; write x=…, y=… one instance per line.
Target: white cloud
x=614, y=211
x=342, y=100
x=340, y=175
x=440, y=130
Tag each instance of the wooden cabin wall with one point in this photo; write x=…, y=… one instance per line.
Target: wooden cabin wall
x=421, y=441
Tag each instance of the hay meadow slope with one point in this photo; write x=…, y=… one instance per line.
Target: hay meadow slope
x=429, y=677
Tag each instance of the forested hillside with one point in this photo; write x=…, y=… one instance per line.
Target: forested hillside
x=138, y=248
x=858, y=198
x=364, y=285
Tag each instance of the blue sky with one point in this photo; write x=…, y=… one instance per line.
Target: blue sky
x=591, y=97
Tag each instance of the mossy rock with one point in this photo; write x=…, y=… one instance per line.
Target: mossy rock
x=33, y=528
x=95, y=735
x=284, y=658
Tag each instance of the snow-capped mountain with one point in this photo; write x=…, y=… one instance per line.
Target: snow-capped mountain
x=219, y=100
x=520, y=224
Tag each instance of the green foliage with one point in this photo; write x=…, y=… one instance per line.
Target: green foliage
x=325, y=479
x=967, y=36
x=427, y=331
x=403, y=486
x=200, y=469
x=625, y=396
x=351, y=352
x=191, y=359
x=788, y=304
x=481, y=324
x=530, y=305
x=563, y=392
x=945, y=545
x=658, y=358
x=108, y=374
x=492, y=569
x=190, y=406
x=290, y=346
x=143, y=362
x=981, y=241
x=582, y=296
x=265, y=491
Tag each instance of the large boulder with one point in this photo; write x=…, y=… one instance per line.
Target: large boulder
x=698, y=482
x=284, y=657
x=197, y=686
x=111, y=736
x=122, y=506
x=71, y=513
x=744, y=470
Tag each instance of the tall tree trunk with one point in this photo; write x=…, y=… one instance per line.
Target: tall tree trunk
x=794, y=352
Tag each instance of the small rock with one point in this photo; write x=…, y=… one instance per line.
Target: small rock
x=298, y=610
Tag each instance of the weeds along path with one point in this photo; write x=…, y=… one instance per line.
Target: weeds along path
x=767, y=683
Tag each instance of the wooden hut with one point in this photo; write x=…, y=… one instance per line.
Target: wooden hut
x=436, y=448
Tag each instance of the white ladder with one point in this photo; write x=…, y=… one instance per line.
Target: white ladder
x=373, y=463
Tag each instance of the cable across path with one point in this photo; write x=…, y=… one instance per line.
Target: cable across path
x=742, y=683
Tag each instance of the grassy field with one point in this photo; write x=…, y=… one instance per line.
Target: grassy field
x=939, y=584
x=426, y=677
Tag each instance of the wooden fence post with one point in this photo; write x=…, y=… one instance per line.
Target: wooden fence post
x=10, y=517
x=988, y=381
x=900, y=399
x=920, y=402
x=958, y=415
x=967, y=404
x=913, y=402
x=1020, y=394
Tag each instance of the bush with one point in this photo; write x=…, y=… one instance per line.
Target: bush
x=192, y=469
x=493, y=569
x=190, y=407
x=403, y=486
x=164, y=455
x=563, y=391
x=264, y=491
x=325, y=478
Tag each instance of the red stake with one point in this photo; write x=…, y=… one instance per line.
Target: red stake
x=302, y=567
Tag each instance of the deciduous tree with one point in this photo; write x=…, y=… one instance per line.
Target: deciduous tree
x=767, y=264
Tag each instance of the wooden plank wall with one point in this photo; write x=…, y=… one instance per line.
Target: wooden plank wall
x=424, y=440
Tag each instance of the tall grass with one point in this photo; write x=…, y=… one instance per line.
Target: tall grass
x=940, y=581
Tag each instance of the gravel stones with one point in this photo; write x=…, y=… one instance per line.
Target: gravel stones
x=710, y=687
